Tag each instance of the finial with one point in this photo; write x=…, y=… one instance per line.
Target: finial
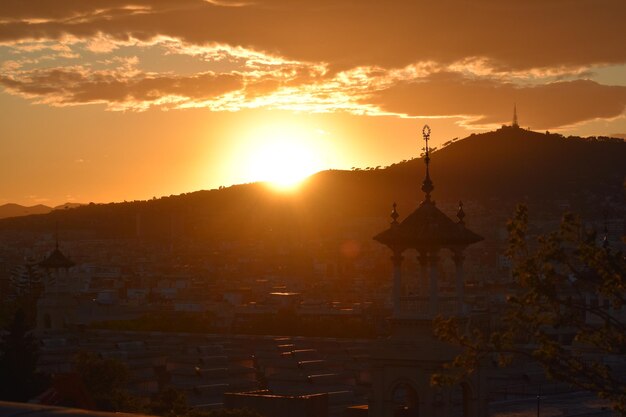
x=515, y=124
x=461, y=214
x=426, y=136
x=427, y=185
x=394, y=215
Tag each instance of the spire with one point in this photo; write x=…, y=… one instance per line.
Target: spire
x=427, y=185
x=515, y=124
x=394, y=216
x=56, y=235
x=461, y=214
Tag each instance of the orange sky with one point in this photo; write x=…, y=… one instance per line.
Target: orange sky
x=111, y=100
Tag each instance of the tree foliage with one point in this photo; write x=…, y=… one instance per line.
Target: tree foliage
x=567, y=312
x=105, y=380
x=170, y=402
x=19, y=379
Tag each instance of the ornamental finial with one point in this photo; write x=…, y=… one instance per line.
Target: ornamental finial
x=394, y=215
x=461, y=214
x=427, y=185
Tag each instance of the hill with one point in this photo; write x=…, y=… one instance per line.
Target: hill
x=14, y=210
x=496, y=169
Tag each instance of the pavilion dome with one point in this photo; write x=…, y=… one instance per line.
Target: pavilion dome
x=427, y=227
x=56, y=260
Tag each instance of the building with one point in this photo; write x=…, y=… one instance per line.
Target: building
x=57, y=303
x=402, y=365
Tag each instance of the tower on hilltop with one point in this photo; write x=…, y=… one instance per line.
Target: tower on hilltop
x=515, y=124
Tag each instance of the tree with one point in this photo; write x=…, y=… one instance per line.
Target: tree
x=104, y=379
x=170, y=402
x=567, y=284
x=19, y=380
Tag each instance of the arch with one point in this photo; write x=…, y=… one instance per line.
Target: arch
x=405, y=400
x=466, y=399
x=461, y=400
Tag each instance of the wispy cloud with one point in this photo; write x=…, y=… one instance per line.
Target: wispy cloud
x=490, y=101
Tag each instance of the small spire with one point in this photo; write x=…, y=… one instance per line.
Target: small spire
x=515, y=124
x=394, y=215
x=461, y=214
x=427, y=185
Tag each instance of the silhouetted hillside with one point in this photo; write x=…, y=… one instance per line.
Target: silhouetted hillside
x=16, y=210
x=13, y=210
x=502, y=167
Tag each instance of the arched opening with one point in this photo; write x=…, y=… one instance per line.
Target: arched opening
x=405, y=401
x=460, y=397
x=466, y=398
x=47, y=321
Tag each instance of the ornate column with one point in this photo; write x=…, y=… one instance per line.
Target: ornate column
x=433, y=287
x=423, y=274
x=397, y=259
x=458, y=258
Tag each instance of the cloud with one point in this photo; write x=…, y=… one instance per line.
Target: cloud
x=446, y=58
x=425, y=90
x=488, y=101
x=78, y=85
x=123, y=86
x=347, y=33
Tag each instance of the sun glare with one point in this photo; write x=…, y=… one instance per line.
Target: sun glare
x=284, y=163
x=284, y=155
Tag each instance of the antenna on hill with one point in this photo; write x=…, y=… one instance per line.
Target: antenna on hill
x=515, y=124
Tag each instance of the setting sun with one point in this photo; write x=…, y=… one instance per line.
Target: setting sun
x=284, y=163
x=283, y=154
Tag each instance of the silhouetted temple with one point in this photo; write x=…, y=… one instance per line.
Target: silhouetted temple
x=405, y=362
x=56, y=260
x=57, y=304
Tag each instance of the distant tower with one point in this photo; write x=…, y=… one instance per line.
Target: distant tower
x=515, y=124
x=57, y=303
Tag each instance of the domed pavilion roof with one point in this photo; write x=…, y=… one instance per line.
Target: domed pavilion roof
x=56, y=260
x=427, y=226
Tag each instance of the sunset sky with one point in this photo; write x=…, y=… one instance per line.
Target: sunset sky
x=112, y=100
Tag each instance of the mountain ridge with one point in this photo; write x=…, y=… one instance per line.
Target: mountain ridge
x=17, y=210
x=500, y=167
